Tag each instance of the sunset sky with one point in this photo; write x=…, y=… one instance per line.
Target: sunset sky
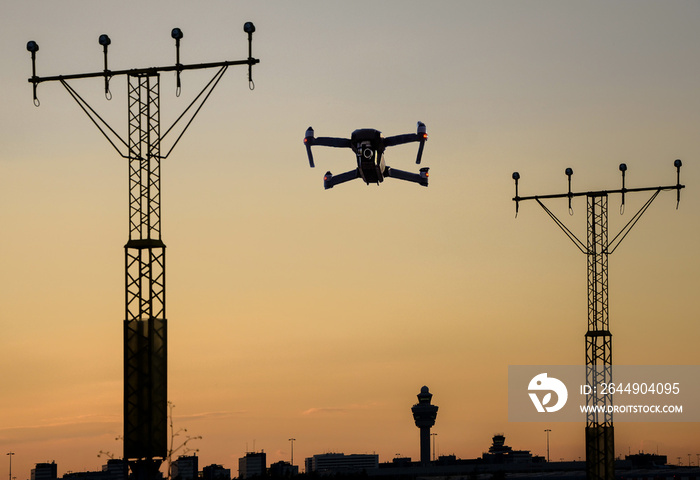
x=318, y=315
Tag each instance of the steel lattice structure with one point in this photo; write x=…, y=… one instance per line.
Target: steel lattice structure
x=600, y=446
x=145, y=324
x=599, y=432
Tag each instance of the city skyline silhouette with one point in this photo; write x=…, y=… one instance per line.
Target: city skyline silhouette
x=296, y=312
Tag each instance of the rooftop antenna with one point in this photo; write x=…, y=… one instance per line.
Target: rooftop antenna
x=600, y=448
x=145, y=325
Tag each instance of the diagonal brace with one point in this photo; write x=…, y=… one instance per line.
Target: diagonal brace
x=579, y=244
x=612, y=246
x=96, y=119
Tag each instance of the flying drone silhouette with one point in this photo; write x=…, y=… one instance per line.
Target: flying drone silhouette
x=369, y=145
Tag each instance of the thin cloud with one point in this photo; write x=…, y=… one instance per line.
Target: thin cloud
x=208, y=415
x=324, y=410
x=89, y=426
x=334, y=410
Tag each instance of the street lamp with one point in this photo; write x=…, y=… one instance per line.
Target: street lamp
x=10, y=455
x=292, y=442
x=433, y=435
x=546, y=431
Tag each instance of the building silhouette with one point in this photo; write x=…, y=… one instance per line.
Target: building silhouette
x=116, y=469
x=424, y=415
x=254, y=464
x=339, y=463
x=45, y=471
x=216, y=472
x=499, y=461
x=283, y=469
x=499, y=452
x=186, y=467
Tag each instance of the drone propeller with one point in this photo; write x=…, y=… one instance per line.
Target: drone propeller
x=422, y=138
x=308, y=141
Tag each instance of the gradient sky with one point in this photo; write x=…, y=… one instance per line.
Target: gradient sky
x=298, y=312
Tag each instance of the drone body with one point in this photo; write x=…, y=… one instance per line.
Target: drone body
x=369, y=145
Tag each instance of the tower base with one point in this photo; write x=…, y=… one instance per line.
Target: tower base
x=600, y=453
x=145, y=469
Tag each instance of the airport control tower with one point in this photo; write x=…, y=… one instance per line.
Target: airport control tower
x=424, y=414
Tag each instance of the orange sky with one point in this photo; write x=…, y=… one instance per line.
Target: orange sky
x=298, y=312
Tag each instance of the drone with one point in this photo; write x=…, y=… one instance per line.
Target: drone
x=369, y=145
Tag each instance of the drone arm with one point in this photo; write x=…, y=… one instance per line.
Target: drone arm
x=330, y=180
x=420, y=136
x=310, y=140
x=401, y=139
x=332, y=142
x=324, y=142
x=419, y=178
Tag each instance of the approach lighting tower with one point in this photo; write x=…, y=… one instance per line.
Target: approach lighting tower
x=600, y=446
x=145, y=325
